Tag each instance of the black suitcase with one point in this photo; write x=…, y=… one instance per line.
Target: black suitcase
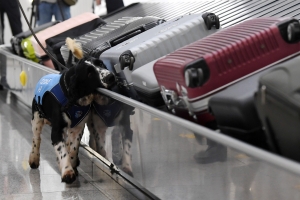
x=278, y=104
x=54, y=44
x=235, y=112
x=97, y=41
x=17, y=39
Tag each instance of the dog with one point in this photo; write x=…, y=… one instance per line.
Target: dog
x=63, y=101
x=107, y=112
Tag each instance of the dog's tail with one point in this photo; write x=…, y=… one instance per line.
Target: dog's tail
x=75, y=48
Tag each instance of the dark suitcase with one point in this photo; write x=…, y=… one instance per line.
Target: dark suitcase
x=104, y=37
x=190, y=75
x=235, y=113
x=278, y=104
x=17, y=39
x=54, y=44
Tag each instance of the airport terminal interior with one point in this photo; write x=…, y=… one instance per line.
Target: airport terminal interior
x=152, y=152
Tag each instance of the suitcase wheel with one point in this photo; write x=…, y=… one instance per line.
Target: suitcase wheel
x=126, y=60
x=293, y=31
x=211, y=20
x=193, y=77
x=196, y=73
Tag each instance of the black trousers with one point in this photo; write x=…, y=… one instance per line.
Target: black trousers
x=11, y=8
x=112, y=5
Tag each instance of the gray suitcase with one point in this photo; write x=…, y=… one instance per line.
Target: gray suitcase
x=146, y=85
x=155, y=43
x=104, y=37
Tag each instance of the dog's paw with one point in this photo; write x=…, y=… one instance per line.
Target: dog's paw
x=69, y=177
x=34, y=162
x=34, y=165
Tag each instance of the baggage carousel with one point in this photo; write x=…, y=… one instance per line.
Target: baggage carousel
x=170, y=159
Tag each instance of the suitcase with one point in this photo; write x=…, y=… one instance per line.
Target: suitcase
x=165, y=38
x=17, y=39
x=55, y=43
x=102, y=38
x=146, y=86
x=58, y=29
x=278, y=104
x=188, y=76
x=235, y=113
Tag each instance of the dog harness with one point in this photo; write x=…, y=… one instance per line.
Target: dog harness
x=50, y=83
x=109, y=112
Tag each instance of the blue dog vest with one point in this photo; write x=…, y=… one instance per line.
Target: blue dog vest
x=109, y=112
x=50, y=83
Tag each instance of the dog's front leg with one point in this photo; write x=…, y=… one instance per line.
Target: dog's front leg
x=97, y=129
x=67, y=173
x=92, y=139
x=37, y=124
x=73, y=139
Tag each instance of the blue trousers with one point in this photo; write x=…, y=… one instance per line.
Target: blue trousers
x=47, y=10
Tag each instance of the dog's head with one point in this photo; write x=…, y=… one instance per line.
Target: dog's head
x=87, y=75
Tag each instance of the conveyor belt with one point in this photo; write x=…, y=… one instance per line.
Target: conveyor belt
x=230, y=12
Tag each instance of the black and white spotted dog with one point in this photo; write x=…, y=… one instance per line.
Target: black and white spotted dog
x=64, y=102
x=108, y=112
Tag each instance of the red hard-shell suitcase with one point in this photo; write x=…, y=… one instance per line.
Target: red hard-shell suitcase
x=188, y=76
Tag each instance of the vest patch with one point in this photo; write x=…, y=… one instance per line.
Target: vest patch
x=109, y=112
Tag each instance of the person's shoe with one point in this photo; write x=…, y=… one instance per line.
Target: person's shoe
x=212, y=154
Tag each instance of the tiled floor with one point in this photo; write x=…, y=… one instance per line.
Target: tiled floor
x=19, y=181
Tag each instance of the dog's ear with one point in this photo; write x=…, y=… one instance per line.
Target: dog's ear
x=75, y=48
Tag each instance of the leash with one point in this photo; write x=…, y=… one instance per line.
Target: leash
x=60, y=66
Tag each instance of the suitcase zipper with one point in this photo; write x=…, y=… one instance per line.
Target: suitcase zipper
x=263, y=94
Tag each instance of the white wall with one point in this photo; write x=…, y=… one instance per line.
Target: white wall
x=80, y=7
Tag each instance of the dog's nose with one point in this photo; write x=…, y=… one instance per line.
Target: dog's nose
x=109, y=79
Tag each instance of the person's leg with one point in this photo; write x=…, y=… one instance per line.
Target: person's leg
x=62, y=11
x=112, y=5
x=14, y=17
x=45, y=13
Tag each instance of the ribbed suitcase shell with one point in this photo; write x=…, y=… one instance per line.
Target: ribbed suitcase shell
x=278, y=104
x=98, y=39
x=155, y=43
x=229, y=54
x=59, y=28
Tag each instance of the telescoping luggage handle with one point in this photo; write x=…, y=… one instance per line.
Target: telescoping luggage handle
x=134, y=32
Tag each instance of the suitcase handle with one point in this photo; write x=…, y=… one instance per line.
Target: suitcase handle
x=134, y=32
x=126, y=36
